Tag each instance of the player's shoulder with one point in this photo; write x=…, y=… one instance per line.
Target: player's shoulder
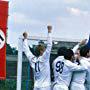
x=84, y=61
x=69, y=63
x=59, y=58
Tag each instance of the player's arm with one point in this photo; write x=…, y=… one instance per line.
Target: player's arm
x=49, y=42
x=75, y=67
x=26, y=47
x=83, y=42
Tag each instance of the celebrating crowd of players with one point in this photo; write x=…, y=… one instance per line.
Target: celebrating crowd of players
x=71, y=68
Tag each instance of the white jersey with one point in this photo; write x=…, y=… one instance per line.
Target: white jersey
x=80, y=76
x=88, y=59
x=88, y=77
x=40, y=65
x=63, y=70
x=88, y=73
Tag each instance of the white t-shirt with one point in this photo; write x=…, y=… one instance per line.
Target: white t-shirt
x=80, y=76
x=88, y=73
x=63, y=70
x=40, y=65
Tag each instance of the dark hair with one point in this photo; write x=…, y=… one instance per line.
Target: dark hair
x=38, y=49
x=61, y=51
x=84, y=50
x=25, y=33
x=68, y=55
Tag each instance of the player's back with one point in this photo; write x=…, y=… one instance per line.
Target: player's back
x=62, y=73
x=41, y=70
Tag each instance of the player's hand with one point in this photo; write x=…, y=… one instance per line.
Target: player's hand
x=25, y=35
x=83, y=42
x=49, y=28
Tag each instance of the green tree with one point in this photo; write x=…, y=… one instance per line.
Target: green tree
x=9, y=49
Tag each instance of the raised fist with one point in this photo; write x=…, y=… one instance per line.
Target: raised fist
x=83, y=42
x=49, y=28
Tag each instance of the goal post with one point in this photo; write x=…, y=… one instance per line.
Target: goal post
x=19, y=63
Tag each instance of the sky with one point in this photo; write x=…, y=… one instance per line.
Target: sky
x=69, y=18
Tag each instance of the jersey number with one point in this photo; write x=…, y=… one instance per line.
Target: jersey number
x=59, y=66
x=37, y=69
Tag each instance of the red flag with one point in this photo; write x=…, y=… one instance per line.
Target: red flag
x=3, y=28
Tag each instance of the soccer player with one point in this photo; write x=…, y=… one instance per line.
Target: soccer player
x=40, y=64
x=60, y=56
x=78, y=79
x=63, y=69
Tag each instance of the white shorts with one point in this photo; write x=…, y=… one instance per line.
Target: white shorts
x=75, y=86
x=60, y=87
x=43, y=88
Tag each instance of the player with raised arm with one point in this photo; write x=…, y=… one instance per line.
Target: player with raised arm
x=40, y=64
x=79, y=77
